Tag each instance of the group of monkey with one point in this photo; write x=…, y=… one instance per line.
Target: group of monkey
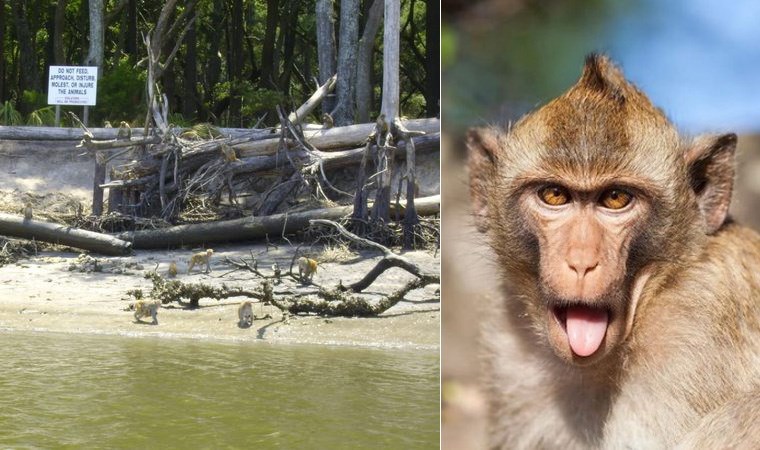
x=630, y=314
x=307, y=267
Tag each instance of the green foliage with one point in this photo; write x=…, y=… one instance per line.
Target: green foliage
x=414, y=106
x=42, y=117
x=255, y=101
x=179, y=120
x=33, y=100
x=9, y=115
x=120, y=93
x=201, y=131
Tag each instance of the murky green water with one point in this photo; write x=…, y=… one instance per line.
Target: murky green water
x=73, y=391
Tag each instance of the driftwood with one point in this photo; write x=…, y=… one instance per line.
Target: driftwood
x=389, y=260
x=333, y=138
x=304, y=110
x=17, y=226
x=249, y=228
x=339, y=301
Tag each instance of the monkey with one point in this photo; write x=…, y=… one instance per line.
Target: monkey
x=144, y=308
x=327, y=121
x=172, y=271
x=107, y=124
x=199, y=258
x=229, y=153
x=124, y=131
x=245, y=315
x=629, y=315
x=307, y=267
x=28, y=213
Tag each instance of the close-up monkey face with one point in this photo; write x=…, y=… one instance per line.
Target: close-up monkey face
x=577, y=199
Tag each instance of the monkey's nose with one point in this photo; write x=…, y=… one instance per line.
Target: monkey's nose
x=582, y=267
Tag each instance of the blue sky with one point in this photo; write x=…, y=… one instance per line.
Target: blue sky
x=697, y=59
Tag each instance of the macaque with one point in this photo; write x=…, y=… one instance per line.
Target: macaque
x=124, y=131
x=630, y=314
x=144, y=308
x=327, y=121
x=201, y=258
x=245, y=314
x=28, y=211
x=172, y=271
x=307, y=267
x=229, y=153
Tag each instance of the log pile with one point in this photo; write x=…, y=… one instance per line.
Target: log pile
x=274, y=165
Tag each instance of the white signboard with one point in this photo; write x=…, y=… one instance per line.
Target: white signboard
x=72, y=85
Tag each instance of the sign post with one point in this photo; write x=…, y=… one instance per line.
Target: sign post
x=72, y=85
x=78, y=85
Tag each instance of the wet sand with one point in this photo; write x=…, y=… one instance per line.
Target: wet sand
x=42, y=294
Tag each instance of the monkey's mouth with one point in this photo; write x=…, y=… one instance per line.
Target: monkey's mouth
x=585, y=327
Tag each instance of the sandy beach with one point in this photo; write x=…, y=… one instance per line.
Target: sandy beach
x=42, y=294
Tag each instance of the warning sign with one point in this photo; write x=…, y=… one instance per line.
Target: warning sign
x=72, y=85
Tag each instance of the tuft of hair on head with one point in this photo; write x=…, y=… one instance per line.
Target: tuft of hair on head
x=601, y=75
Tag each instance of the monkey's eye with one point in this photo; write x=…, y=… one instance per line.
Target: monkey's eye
x=615, y=199
x=554, y=195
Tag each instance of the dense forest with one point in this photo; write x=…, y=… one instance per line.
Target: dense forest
x=228, y=62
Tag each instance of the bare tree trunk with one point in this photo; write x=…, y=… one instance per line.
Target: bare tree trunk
x=343, y=114
x=364, y=61
x=190, y=104
x=289, y=45
x=29, y=75
x=432, y=57
x=235, y=63
x=326, y=47
x=2, y=49
x=268, y=46
x=391, y=38
x=130, y=41
x=389, y=108
x=58, y=27
x=97, y=35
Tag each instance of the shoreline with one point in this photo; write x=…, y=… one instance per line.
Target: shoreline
x=42, y=295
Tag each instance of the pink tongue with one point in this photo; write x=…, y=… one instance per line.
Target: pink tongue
x=586, y=328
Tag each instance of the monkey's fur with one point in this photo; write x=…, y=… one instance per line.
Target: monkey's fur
x=679, y=290
x=307, y=267
x=28, y=211
x=201, y=258
x=172, y=271
x=245, y=314
x=144, y=308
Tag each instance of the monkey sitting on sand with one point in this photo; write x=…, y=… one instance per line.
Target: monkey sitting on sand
x=172, y=271
x=200, y=258
x=27, y=211
x=144, y=308
x=307, y=267
x=245, y=315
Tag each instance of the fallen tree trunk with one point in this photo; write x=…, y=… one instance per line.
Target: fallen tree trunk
x=76, y=134
x=332, y=138
x=330, y=160
x=249, y=228
x=17, y=226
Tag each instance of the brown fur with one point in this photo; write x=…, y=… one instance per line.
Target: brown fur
x=201, y=258
x=681, y=354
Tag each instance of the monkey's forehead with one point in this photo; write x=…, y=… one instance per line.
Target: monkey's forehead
x=580, y=146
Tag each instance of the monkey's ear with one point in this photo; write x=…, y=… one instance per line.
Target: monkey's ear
x=710, y=161
x=482, y=146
